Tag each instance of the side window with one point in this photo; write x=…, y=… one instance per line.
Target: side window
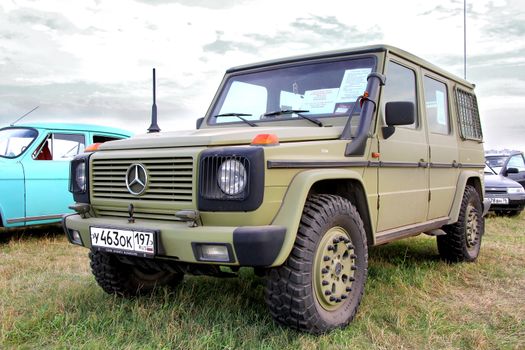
x=102, y=139
x=60, y=147
x=517, y=162
x=436, y=106
x=400, y=86
x=469, y=123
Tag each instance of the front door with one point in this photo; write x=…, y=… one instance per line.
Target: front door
x=403, y=176
x=47, y=176
x=517, y=161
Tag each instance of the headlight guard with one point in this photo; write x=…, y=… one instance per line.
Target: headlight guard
x=79, y=178
x=231, y=179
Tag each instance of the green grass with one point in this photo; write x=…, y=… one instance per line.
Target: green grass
x=49, y=299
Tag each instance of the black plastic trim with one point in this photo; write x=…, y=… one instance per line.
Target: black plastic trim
x=258, y=245
x=273, y=164
x=283, y=164
x=211, y=198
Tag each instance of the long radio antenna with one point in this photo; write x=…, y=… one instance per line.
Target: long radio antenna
x=154, y=127
x=16, y=121
x=465, y=39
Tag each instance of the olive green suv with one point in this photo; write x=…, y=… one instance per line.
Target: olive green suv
x=299, y=166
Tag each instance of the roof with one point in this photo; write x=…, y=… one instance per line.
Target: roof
x=354, y=51
x=74, y=126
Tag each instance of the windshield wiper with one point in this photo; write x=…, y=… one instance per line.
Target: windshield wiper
x=294, y=111
x=238, y=115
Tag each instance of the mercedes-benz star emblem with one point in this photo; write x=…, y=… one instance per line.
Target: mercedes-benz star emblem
x=136, y=179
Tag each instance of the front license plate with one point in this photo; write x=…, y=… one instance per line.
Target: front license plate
x=499, y=200
x=128, y=242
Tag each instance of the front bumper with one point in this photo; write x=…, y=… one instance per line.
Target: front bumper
x=251, y=245
x=516, y=201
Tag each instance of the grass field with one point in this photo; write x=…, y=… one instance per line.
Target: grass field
x=49, y=299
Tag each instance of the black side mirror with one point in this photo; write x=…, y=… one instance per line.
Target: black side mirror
x=199, y=122
x=398, y=113
x=511, y=171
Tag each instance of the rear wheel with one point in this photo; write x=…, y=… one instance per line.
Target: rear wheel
x=320, y=286
x=116, y=277
x=463, y=239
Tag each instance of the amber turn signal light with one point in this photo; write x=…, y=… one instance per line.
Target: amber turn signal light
x=265, y=140
x=93, y=147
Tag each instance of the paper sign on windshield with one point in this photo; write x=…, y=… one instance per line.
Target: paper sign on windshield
x=320, y=101
x=353, y=84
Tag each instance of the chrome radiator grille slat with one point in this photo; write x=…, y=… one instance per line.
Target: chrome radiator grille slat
x=170, y=179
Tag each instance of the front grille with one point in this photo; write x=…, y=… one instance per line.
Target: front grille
x=169, y=179
x=139, y=213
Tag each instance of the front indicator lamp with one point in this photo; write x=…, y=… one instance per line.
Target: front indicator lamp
x=212, y=252
x=75, y=237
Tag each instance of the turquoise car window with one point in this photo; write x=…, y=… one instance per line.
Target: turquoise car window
x=60, y=147
x=14, y=141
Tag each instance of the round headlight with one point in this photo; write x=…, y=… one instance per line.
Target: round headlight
x=232, y=177
x=80, y=176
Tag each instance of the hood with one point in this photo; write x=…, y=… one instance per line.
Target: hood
x=499, y=181
x=222, y=137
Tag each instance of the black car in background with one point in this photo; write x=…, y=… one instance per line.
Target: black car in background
x=507, y=197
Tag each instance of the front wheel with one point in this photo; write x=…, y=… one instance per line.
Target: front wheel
x=116, y=277
x=320, y=285
x=463, y=239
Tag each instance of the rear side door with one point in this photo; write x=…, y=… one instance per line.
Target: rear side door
x=47, y=176
x=403, y=174
x=443, y=145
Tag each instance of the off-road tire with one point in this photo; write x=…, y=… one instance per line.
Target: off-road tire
x=116, y=277
x=463, y=239
x=295, y=293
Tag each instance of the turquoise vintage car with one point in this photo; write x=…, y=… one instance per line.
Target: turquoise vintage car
x=34, y=169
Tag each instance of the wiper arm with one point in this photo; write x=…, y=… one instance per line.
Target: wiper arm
x=294, y=111
x=238, y=115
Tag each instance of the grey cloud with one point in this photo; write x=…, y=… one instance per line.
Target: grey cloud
x=213, y=4
x=86, y=102
x=493, y=66
x=314, y=30
x=51, y=20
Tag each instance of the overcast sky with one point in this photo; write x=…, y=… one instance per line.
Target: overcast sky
x=91, y=60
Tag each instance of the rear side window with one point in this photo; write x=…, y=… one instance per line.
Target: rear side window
x=436, y=106
x=102, y=139
x=468, y=114
x=400, y=86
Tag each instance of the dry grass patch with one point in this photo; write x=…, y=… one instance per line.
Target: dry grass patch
x=48, y=298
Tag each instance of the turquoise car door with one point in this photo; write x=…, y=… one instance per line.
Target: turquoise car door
x=11, y=193
x=15, y=145
x=47, y=176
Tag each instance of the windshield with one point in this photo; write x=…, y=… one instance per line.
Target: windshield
x=14, y=141
x=496, y=162
x=489, y=171
x=306, y=92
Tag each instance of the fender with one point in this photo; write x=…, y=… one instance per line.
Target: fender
x=289, y=215
x=460, y=189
